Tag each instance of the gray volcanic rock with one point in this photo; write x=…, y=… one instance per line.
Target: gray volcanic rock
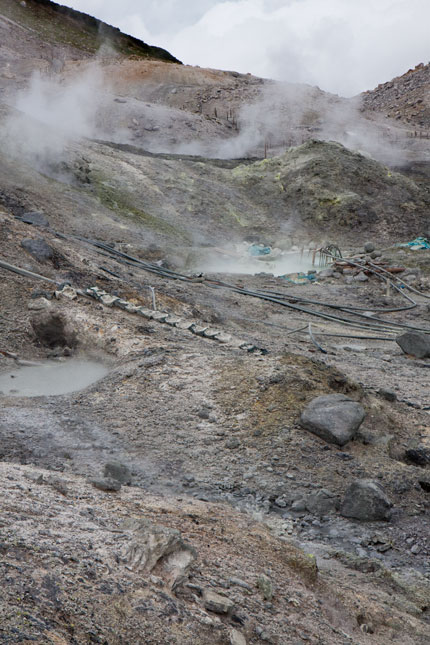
x=334, y=417
x=414, y=343
x=118, y=471
x=35, y=218
x=366, y=500
x=39, y=249
x=322, y=502
x=106, y=484
x=418, y=453
x=217, y=603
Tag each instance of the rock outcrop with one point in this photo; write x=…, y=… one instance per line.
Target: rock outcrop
x=414, y=343
x=334, y=417
x=366, y=500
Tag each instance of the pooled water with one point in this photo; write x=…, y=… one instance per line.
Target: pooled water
x=52, y=378
x=283, y=265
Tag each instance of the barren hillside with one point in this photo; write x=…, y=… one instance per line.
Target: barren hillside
x=406, y=98
x=208, y=434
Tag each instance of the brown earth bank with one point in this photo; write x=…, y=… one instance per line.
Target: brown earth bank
x=198, y=422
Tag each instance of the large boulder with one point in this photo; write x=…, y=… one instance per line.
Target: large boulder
x=333, y=417
x=415, y=343
x=366, y=500
x=38, y=248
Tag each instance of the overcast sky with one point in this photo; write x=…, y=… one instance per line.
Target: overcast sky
x=343, y=46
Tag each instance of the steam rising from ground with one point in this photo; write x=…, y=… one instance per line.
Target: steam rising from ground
x=239, y=260
x=53, y=112
x=50, y=114
x=287, y=114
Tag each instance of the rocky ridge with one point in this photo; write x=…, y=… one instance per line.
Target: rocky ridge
x=405, y=98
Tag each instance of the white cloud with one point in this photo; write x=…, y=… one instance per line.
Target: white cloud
x=344, y=46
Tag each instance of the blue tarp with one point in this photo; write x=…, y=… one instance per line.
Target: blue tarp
x=417, y=244
x=299, y=278
x=257, y=249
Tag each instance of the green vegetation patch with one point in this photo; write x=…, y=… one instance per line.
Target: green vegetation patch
x=120, y=203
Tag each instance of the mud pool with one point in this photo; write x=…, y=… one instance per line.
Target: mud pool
x=51, y=378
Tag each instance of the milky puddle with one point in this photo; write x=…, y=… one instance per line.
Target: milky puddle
x=252, y=259
x=293, y=263
x=51, y=378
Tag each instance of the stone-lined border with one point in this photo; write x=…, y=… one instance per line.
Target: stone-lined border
x=169, y=319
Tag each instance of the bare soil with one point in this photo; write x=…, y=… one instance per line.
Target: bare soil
x=221, y=474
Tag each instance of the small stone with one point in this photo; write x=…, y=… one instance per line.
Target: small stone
x=240, y=583
x=131, y=308
x=35, y=218
x=369, y=247
x=39, y=304
x=189, y=479
x=198, y=330
x=236, y=637
x=366, y=500
x=118, y=471
x=299, y=505
x=106, y=484
x=154, y=544
x=249, y=347
x=415, y=549
x=59, y=485
x=415, y=344
x=216, y=603
x=211, y=333
x=281, y=502
x=232, y=443
x=410, y=278
x=185, y=325
x=108, y=300
x=266, y=587
x=388, y=395
x=203, y=413
x=223, y=338
x=418, y=454
x=66, y=292
x=143, y=311
x=40, y=293
x=159, y=316
x=333, y=417
x=172, y=321
x=322, y=502
x=91, y=292
x=361, y=277
x=325, y=273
